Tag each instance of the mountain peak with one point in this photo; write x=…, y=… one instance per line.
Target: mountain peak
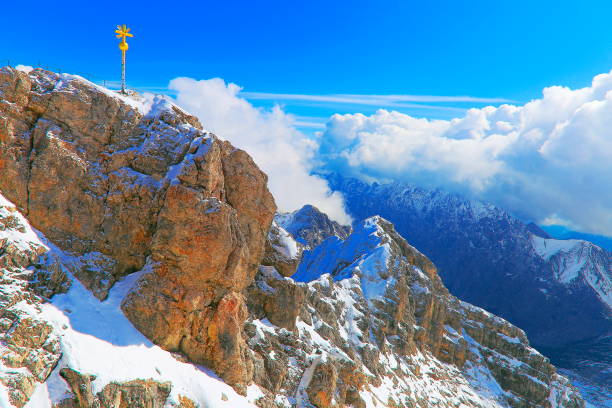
x=310, y=226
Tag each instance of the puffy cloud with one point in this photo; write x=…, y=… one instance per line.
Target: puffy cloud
x=269, y=136
x=550, y=159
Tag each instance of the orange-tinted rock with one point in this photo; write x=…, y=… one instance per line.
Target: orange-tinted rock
x=117, y=185
x=323, y=385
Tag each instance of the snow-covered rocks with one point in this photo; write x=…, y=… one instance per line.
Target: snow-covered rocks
x=29, y=349
x=378, y=328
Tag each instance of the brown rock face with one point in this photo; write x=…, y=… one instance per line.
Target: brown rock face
x=271, y=295
x=322, y=385
x=121, y=186
x=282, y=251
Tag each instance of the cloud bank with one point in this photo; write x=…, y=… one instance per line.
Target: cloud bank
x=549, y=160
x=269, y=136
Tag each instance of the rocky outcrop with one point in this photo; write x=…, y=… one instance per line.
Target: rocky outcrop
x=282, y=251
x=378, y=328
x=271, y=295
x=117, y=181
x=133, y=394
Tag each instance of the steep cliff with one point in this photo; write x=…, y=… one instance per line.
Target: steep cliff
x=120, y=182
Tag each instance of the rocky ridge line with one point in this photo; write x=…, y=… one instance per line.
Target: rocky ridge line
x=371, y=324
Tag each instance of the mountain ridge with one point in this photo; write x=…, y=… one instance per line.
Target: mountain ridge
x=489, y=258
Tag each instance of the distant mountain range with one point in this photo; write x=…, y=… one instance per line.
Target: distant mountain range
x=558, y=291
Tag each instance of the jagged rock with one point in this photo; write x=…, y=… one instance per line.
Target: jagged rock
x=81, y=388
x=132, y=394
x=29, y=349
x=382, y=329
x=275, y=297
x=322, y=386
x=185, y=402
x=136, y=393
x=282, y=251
x=271, y=295
x=113, y=182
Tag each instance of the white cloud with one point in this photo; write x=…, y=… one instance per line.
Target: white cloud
x=548, y=159
x=24, y=68
x=269, y=136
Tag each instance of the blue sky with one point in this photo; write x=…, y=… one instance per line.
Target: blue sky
x=485, y=49
x=546, y=161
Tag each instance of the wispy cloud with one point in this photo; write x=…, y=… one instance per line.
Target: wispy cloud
x=314, y=125
x=387, y=101
x=315, y=122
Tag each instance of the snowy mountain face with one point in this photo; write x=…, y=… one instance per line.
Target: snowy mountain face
x=575, y=264
x=310, y=226
x=557, y=291
x=140, y=266
x=578, y=263
x=373, y=325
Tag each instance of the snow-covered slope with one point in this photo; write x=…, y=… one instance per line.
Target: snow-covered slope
x=80, y=331
x=376, y=327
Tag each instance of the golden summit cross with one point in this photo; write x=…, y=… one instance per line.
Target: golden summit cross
x=123, y=32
